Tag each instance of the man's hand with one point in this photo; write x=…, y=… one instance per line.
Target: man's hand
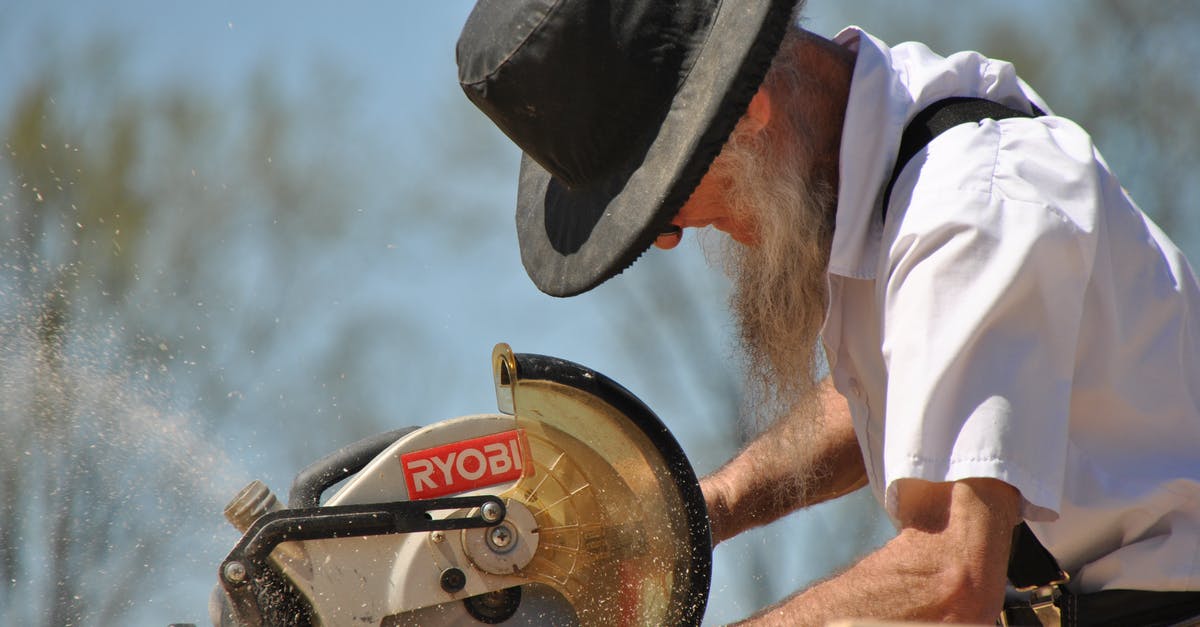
x=718, y=509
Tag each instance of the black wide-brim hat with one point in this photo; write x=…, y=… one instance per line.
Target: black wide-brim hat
x=619, y=106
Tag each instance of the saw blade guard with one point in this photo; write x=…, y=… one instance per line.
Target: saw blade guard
x=622, y=525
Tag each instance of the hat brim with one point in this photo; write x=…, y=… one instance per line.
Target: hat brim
x=573, y=239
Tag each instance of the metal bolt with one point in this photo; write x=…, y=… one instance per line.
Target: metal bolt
x=491, y=511
x=437, y=537
x=500, y=537
x=235, y=572
x=453, y=580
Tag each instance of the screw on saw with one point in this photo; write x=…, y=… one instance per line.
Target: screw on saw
x=234, y=572
x=491, y=512
x=453, y=580
x=501, y=538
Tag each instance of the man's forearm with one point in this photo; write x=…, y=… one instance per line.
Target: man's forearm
x=794, y=463
x=947, y=564
x=905, y=579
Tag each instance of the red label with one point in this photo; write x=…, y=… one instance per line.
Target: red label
x=465, y=465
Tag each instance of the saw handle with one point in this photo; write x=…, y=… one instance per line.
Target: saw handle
x=246, y=569
x=319, y=476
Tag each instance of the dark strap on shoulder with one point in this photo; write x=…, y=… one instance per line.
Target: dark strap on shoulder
x=941, y=116
x=1029, y=563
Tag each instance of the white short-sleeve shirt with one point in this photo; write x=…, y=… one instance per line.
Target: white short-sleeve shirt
x=1016, y=317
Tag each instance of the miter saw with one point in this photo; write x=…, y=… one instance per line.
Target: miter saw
x=572, y=506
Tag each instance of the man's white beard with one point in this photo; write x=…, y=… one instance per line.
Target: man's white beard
x=780, y=283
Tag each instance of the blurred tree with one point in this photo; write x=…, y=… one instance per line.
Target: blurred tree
x=123, y=264
x=1138, y=61
x=1123, y=70
x=58, y=218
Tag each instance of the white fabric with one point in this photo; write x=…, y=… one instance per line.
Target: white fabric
x=1017, y=317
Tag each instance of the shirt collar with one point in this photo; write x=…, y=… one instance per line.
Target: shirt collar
x=875, y=116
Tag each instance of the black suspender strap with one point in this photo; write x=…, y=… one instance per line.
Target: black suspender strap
x=940, y=116
x=1030, y=565
x=1032, y=569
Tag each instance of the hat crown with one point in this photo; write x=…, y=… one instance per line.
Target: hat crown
x=581, y=86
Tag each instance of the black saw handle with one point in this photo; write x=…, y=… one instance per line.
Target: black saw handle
x=245, y=573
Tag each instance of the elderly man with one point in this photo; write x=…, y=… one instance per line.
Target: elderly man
x=1011, y=343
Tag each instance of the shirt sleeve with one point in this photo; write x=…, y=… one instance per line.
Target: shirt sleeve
x=985, y=279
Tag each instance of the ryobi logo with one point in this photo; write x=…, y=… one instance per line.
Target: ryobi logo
x=466, y=465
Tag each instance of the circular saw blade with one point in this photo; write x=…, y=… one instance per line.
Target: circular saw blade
x=623, y=529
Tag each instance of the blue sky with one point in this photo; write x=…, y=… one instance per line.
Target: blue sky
x=399, y=51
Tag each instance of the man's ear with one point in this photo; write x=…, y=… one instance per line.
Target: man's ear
x=759, y=111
